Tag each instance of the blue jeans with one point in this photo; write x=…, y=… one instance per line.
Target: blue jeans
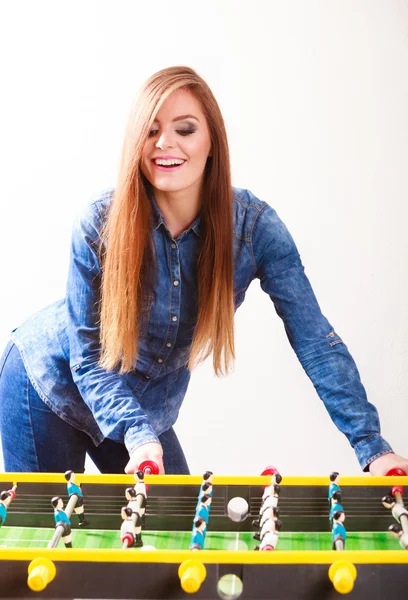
x=35, y=439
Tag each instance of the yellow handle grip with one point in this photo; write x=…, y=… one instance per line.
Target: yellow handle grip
x=343, y=575
x=40, y=572
x=192, y=573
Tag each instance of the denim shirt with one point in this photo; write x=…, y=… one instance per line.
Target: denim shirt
x=60, y=344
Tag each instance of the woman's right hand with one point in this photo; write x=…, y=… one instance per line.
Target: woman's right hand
x=151, y=451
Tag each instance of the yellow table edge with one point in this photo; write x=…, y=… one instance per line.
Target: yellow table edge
x=197, y=479
x=208, y=556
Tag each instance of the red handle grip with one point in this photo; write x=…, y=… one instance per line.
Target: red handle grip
x=396, y=471
x=149, y=467
x=270, y=470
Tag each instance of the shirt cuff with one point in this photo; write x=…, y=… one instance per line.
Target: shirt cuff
x=371, y=448
x=139, y=437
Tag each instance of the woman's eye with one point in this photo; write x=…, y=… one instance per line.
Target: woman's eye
x=185, y=131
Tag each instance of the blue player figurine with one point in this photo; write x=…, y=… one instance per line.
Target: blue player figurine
x=335, y=504
x=74, y=488
x=339, y=534
x=334, y=484
x=207, y=478
x=203, y=508
x=4, y=496
x=61, y=519
x=5, y=499
x=198, y=534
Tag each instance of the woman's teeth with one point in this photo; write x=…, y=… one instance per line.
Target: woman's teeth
x=168, y=162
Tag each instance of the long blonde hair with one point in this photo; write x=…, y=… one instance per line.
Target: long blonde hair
x=126, y=242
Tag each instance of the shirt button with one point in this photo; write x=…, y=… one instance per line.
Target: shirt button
x=159, y=360
x=147, y=377
x=174, y=318
x=173, y=246
x=168, y=345
x=175, y=282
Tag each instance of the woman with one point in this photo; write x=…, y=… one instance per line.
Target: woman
x=158, y=266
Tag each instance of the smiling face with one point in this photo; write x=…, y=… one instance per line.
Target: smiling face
x=179, y=134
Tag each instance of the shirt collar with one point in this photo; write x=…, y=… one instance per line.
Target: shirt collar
x=159, y=220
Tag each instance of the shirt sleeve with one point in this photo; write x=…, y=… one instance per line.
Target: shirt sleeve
x=115, y=408
x=322, y=353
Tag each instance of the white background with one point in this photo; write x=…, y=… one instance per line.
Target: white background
x=315, y=97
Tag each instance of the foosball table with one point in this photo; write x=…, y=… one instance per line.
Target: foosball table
x=103, y=561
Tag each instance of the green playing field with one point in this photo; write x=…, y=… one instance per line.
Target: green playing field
x=30, y=537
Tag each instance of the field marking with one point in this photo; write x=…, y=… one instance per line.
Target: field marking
x=13, y=541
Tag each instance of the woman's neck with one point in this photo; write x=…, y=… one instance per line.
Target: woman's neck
x=179, y=209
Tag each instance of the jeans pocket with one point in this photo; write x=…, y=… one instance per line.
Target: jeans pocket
x=334, y=339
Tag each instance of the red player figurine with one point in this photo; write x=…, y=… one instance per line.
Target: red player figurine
x=396, y=531
x=269, y=490
x=398, y=510
x=269, y=539
x=133, y=504
x=271, y=501
x=127, y=529
x=140, y=489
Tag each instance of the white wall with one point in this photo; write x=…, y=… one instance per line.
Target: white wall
x=315, y=98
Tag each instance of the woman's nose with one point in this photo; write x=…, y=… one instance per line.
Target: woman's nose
x=165, y=140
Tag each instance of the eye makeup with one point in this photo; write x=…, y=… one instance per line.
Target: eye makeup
x=183, y=132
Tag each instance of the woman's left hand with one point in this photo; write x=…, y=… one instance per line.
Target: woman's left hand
x=386, y=462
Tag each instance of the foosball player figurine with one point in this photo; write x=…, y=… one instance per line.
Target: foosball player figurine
x=203, y=508
x=61, y=518
x=140, y=489
x=207, y=478
x=73, y=488
x=3, y=507
x=334, y=484
x=6, y=497
x=398, y=511
x=269, y=490
x=269, y=540
x=268, y=525
x=207, y=488
x=339, y=534
x=335, y=504
x=127, y=530
x=270, y=501
x=133, y=504
x=396, y=531
x=274, y=514
x=198, y=534
x=269, y=513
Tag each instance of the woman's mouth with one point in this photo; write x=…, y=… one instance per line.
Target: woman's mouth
x=169, y=165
